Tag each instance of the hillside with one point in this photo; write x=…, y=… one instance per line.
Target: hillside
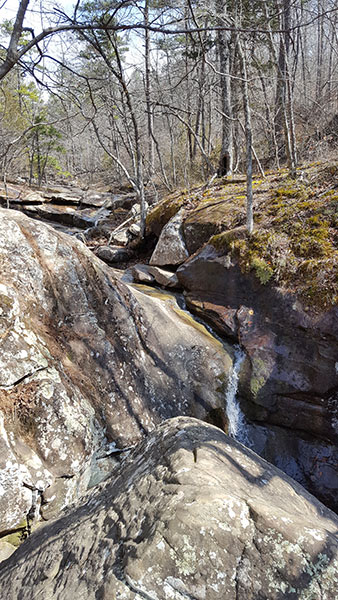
x=294, y=243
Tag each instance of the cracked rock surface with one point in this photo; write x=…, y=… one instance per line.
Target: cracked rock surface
x=85, y=362
x=189, y=514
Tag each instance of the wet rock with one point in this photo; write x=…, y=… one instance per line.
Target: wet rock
x=190, y=514
x=170, y=248
x=86, y=360
x=290, y=372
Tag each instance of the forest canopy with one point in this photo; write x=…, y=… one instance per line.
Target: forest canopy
x=164, y=94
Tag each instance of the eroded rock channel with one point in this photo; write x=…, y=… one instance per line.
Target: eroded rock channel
x=93, y=361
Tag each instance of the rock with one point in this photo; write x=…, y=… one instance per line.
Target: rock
x=190, y=514
x=170, y=248
x=123, y=201
x=148, y=274
x=290, y=374
x=121, y=237
x=135, y=210
x=113, y=254
x=16, y=499
x=84, y=361
x=65, y=215
x=162, y=212
x=6, y=550
x=165, y=278
x=134, y=229
x=141, y=274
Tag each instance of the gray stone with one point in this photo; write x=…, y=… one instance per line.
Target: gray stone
x=112, y=254
x=190, y=514
x=121, y=237
x=141, y=274
x=170, y=248
x=86, y=360
x=6, y=550
x=150, y=274
x=163, y=277
x=135, y=229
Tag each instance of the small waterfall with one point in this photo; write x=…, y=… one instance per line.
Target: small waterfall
x=237, y=425
x=236, y=420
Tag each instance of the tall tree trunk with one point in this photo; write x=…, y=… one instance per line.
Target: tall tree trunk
x=151, y=153
x=248, y=138
x=284, y=46
x=223, y=44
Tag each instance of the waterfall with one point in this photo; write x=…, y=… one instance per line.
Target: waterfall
x=237, y=425
x=236, y=420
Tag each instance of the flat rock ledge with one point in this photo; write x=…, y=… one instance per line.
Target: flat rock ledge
x=189, y=514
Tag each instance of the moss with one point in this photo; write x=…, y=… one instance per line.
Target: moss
x=262, y=270
x=159, y=216
x=189, y=320
x=256, y=384
x=154, y=292
x=292, y=190
x=294, y=243
x=17, y=535
x=225, y=240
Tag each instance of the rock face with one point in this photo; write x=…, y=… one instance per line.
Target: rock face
x=190, y=514
x=170, y=248
x=289, y=382
x=86, y=364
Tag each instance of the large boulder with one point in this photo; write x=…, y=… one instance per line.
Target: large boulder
x=289, y=381
x=87, y=365
x=171, y=248
x=190, y=514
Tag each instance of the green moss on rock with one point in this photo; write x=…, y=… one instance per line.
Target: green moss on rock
x=159, y=216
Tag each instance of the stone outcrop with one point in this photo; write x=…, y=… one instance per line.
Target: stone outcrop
x=289, y=381
x=190, y=514
x=170, y=248
x=68, y=208
x=87, y=364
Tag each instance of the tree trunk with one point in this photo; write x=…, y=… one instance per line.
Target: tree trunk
x=151, y=154
x=248, y=137
x=223, y=43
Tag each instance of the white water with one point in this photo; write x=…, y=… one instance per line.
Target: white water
x=237, y=425
x=236, y=421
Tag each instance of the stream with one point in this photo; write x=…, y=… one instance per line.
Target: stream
x=238, y=427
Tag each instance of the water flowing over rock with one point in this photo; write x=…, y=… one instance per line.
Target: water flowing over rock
x=237, y=427
x=86, y=361
x=190, y=514
x=289, y=382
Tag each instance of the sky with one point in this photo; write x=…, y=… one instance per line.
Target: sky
x=8, y=10
x=38, y=16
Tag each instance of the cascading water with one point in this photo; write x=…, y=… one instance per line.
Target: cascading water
x=237, y=426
